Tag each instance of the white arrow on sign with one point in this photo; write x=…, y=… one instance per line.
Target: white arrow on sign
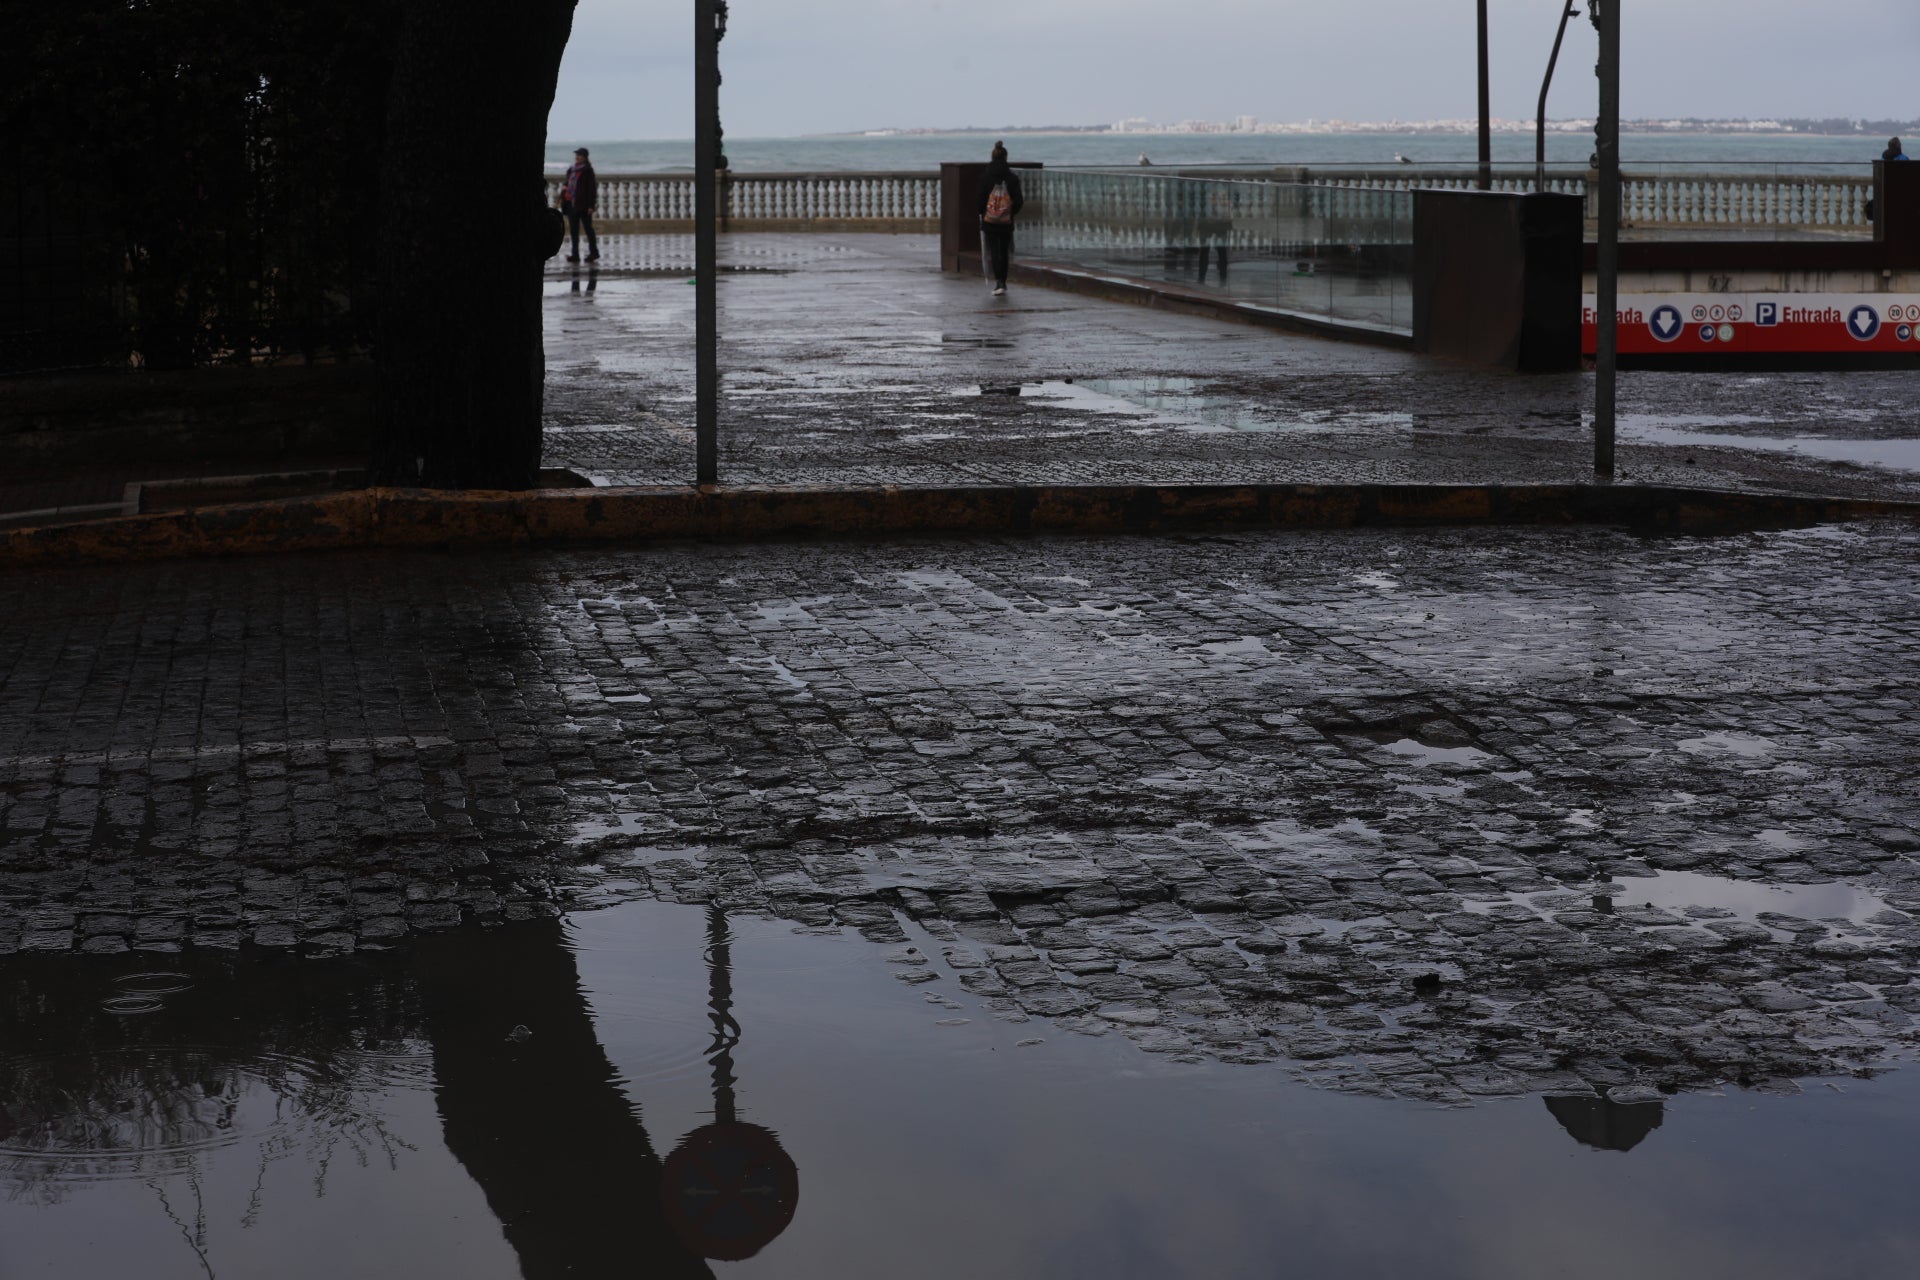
x=1665, y=323
x=1864, y=321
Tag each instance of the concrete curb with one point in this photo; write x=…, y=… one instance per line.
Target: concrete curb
x=394, y=518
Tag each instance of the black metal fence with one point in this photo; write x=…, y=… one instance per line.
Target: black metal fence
x=198, y=197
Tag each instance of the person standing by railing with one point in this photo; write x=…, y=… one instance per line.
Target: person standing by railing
x=1892, y=153
x=1000, y=201
x=578, y=196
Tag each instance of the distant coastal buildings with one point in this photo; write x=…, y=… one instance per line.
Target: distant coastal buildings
x=1253, y=124
x=1140, y=125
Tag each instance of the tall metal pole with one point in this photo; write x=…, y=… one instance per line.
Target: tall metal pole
x=1486, y=107
x=706, y=252
x=1606, y=17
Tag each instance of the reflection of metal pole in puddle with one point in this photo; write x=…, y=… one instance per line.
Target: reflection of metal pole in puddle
x=729, y=1188
x=726, y=1029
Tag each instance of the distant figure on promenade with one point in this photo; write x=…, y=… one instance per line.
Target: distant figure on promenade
x=1213, y=228
x=1892, y=153
x=1000, y=201
x=578, y=196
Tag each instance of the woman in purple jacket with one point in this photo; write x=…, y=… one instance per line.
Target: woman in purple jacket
x=578, y=195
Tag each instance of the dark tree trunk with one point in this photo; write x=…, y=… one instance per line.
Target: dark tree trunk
x=457, y=341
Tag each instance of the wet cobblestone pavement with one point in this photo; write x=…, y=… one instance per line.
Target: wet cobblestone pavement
x=851, y=359
x=1439, y=815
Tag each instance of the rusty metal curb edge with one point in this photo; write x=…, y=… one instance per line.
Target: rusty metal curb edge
x=394, y=518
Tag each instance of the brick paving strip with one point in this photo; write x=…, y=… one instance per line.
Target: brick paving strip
x=1234, y=795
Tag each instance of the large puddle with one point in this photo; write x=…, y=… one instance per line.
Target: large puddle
x=1182, y=404
x=1892, y=453
x=655, y=1089
x=1185, y=404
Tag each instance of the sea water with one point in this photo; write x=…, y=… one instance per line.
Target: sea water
x=925, y=152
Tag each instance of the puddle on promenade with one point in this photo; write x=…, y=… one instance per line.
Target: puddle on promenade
x=1690, y=898
x=655, y=1089
x=1897, y=454
x=1749, y=901
x=1180, y=403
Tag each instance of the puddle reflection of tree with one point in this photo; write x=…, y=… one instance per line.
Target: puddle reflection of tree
x=295, y=1057
x=98, y=1084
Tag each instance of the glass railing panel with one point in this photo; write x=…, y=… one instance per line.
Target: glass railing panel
x=1313, y=250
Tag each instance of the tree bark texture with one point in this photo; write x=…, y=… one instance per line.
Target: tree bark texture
x=458, y=337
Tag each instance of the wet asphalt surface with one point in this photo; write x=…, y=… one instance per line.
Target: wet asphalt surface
x=851, y=359
x=1438, y=814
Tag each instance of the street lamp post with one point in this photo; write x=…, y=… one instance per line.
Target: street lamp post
x=1540, y=115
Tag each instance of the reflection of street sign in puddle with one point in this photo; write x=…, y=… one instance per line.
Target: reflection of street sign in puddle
x=728, y=1188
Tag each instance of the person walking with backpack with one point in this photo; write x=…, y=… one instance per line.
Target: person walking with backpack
x=1000, y=201
x=578, y=195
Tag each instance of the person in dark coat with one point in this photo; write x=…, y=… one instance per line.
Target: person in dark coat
x=1892, y=153
x=1000, y=202
x=578, y=196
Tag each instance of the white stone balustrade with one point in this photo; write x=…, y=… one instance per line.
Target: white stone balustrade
x=1124, y=207
x=770, y=201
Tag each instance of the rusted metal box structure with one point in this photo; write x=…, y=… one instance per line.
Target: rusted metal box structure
x=1497, y=278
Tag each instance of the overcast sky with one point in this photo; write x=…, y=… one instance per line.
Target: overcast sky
x=816, y=66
